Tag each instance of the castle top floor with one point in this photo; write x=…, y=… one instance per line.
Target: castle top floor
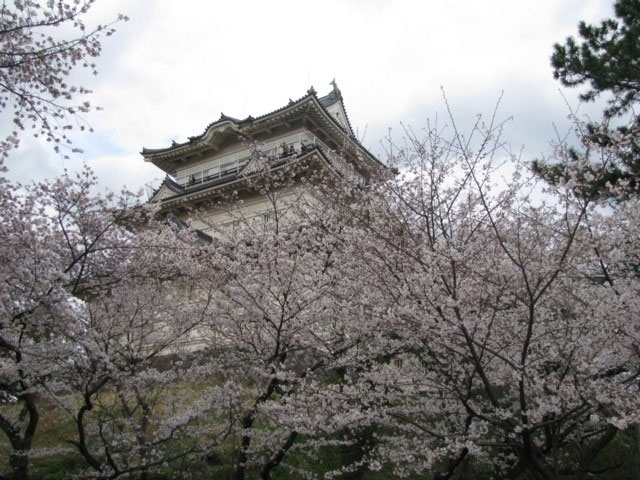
x=223, y=151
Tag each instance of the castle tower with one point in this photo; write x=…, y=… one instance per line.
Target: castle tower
x=312, y=129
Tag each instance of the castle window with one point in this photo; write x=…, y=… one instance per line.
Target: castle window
x=228, y=167
x=264, y=219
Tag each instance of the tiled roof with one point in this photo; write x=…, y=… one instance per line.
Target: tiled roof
x=193, y=142
x=229, y=178
x=325, y=102
x=170, y=183
x=328, y=100
x=180, y=225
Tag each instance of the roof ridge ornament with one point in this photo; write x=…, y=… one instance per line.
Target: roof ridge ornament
x=226, y=118
x=335, y=88
x=311, y=91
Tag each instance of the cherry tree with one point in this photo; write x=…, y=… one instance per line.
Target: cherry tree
x=286, y=323
x=135, y=368
x=519, y=330
x=54, y=235
x=95, y=319
x=437, y=320
x=35, y=61
x=142, y=332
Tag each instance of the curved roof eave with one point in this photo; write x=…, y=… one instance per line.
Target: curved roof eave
x=194, y=141
x=204, y=191
x=151, y=152
x=198, y=141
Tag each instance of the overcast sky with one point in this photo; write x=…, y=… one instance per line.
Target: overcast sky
x=175, y=66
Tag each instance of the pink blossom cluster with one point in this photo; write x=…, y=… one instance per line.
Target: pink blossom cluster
x=426, y=321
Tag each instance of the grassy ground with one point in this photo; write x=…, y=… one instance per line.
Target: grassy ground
x=56, y=428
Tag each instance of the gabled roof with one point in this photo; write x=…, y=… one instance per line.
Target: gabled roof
x=226, y=124
x=168, y=188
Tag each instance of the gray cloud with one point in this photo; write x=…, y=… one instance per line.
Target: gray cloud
x=175, y=66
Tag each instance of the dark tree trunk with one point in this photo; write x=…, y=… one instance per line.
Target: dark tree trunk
x=243, y=456
x=277, y=458
x=19, y=461
x=21, y=442
x=247, y=423
x=363, y=442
